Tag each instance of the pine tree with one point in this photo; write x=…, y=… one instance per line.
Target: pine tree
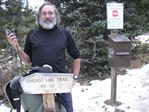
x=16, y=16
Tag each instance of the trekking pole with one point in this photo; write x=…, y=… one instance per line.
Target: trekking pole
x=7, y=31
x=20, y=60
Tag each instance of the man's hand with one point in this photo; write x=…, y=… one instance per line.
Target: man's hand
x=74, y=83
x=12, y=40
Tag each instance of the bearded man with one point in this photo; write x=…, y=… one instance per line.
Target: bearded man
x=47, y=45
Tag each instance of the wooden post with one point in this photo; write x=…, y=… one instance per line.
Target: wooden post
x=49, y=102
x=113, y=85
x=114, y=79
x=114, y=70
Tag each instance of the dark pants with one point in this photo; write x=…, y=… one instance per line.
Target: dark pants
x=66, y=100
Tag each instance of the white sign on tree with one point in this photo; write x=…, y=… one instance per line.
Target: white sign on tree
x=115, y=16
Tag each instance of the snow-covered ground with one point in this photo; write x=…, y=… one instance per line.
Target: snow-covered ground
x=132, y=92
x=143, y=38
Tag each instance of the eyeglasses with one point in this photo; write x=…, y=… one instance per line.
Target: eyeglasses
x=50, y=13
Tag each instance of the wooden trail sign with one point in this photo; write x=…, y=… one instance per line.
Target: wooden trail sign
x=47, y=84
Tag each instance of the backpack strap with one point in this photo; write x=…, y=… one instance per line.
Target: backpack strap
x=13, y=92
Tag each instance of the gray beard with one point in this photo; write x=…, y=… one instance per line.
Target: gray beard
x=48, y=25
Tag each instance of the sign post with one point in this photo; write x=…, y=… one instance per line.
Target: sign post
x=114, y=23
x=49, y=102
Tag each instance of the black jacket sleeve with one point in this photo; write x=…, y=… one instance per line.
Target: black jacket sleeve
x=27, y=47
x=72, y=48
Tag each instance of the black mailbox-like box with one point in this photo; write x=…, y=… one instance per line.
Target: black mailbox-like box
x=119, y=51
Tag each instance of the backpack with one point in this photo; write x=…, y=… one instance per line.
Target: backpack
x=13, y=88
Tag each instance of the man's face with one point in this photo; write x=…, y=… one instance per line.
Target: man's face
x=47, y=17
